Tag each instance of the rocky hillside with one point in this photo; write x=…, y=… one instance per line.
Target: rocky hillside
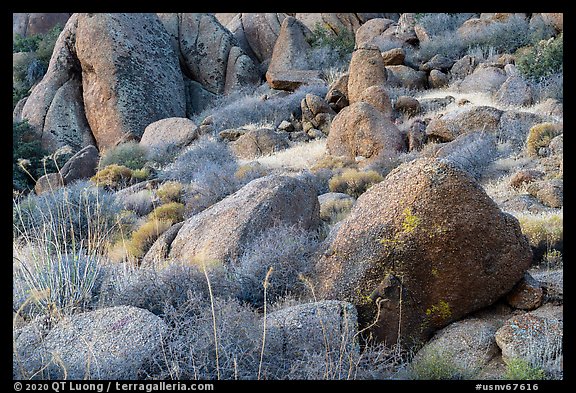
x=288, y=196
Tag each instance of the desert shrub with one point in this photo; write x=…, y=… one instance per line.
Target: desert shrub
x=204, y=345
x=548, y=87
x=540, y=136
x=170, y=191
x=520, y=369
x=172, y=212
x=142, y=238
x=113, y=177
x=284, y=249
x=502, y=37
x=439, y=23
x=473, y=153
x=237, y=109
x=438, y=364
x=78, y=216
x=130, y=154
x=332, y=163
x=541, y=60
x=190, y=164
x=354, y=182
x=545, y=233
x=208, y=169
x=330, y=49
x=335, y=210
x=141, y=202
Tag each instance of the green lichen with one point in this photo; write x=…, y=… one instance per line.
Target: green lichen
x=441, y=310
x=435, y=272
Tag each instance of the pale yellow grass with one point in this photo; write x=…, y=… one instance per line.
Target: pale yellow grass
x=301, y=156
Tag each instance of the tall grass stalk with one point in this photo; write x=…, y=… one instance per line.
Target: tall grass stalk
x=265, y=284
x=213, y=319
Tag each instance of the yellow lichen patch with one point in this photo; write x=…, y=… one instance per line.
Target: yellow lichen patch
x=410, y=221
x=441, y=310
x=435, y=272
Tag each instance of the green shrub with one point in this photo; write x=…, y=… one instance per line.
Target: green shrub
x=354, y=182
x=172, y=212
x=539, y=136
x=113, y=177
x=322, y=36
x=143, y=237
x=438, y=364
x=520, y=369
x=30, y=160
x=130, y=154
x=541, y=60
x=170, y=191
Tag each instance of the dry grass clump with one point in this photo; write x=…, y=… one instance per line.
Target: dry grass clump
x=335, y=210
x=143, y=237
x=540, y=136
x=545, y=233
x=354, y=182
x=172, y=212
x=171, y=191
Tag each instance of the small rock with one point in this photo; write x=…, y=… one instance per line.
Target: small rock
x=525, y=176
x=526, y=295
x=286, y=126
x=407, y=105
x=437, y=79
x=394, y=56
x=232, y=134
x=48, y=182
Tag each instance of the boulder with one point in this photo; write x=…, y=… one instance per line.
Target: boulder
x=366, y=69
x=218, y=234
x=65, y=123
x=48, y=183
x=526, y=295
x=109, y=343
x=484, y=79
x=437, y=79
x=289, y=67
x=260, y=142
x=197, y=97
x=256, y=33
x=63, y=66
x=29, y=24
x=463, y=120
x=176, y=131
x=463, y=67
x=361, y=130
x=375, y=32
x=322, y=327
x=556, y=20
x=82, y=165
x=535, y=336
x=469, y=344
x=336, y=23
x=394, y=56
x=438, y=62
x=421, y=249
x=407, y=105
x=208, y=55
x=472, y=28
x=549, y=192
x=514, y=91
x=404, y=76
x=316, y=113
x=377, y=96
x=132, y=80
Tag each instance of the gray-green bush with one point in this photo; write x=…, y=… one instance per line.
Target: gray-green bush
x=287, y=250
